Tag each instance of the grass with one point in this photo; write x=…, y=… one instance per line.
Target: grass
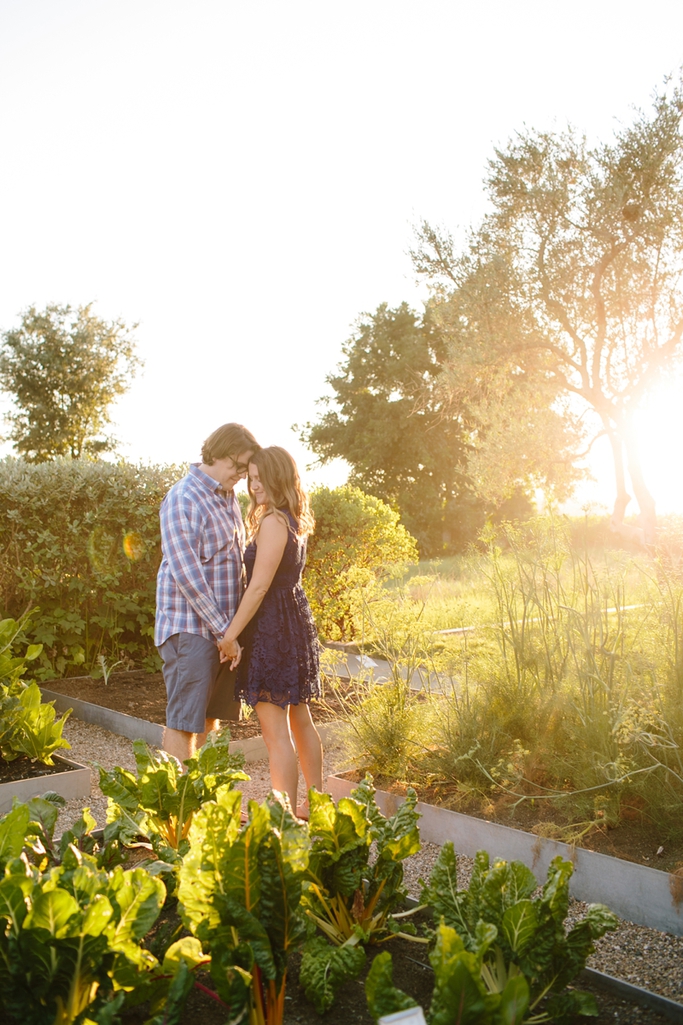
x=568, y=690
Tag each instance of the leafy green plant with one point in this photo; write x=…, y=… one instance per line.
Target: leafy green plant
x=160, y=800
x=239, y=894
x=500, y=954
x=353, y=901
x=70, y=945
x=28, y=725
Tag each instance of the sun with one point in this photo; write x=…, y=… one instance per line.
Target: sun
x=659, y=423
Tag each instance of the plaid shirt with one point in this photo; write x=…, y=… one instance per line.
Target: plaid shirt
x=200, y=580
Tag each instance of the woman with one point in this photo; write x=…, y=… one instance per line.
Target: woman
x=279, y=671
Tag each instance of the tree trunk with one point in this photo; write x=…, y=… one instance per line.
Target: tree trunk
x=646, y=503
x=623, y=498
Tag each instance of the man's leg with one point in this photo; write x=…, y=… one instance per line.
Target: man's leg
x=209, y=725
x=190, y=667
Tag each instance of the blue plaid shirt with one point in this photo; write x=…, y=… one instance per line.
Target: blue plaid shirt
x=200, y=580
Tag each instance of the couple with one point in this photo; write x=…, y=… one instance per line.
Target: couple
x=204, y=615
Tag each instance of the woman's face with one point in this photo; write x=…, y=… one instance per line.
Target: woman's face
x=255, y=485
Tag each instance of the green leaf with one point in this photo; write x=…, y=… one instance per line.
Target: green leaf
x=382, y=996
x=324, y=969
x=514, y=1002
x=56, y=912
x=519, y=925
x=13, y=828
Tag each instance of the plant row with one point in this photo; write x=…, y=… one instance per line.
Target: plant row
x=82, y=938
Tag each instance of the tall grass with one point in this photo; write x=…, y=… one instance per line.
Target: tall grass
x=569, y=688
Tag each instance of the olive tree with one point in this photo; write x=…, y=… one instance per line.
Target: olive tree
x=64, y=368
x=571, y=284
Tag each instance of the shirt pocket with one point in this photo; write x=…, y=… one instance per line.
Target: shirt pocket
x=219, y=538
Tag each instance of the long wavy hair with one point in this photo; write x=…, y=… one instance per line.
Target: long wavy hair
x=281, y=482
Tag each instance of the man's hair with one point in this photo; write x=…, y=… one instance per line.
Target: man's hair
x=228, y=442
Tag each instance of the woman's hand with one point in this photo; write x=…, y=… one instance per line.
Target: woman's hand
x=230, y=651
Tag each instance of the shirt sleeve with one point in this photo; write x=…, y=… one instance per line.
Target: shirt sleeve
x=180, y=539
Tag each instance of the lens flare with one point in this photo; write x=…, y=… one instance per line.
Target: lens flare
x=133, y=546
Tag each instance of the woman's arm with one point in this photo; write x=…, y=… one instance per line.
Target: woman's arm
x=272, y=538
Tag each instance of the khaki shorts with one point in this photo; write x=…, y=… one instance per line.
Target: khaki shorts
x=198, y=685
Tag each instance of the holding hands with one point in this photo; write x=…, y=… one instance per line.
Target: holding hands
x=230, y=651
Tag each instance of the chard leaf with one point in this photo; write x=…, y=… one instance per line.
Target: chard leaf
x=56, y=911
x=600, y=920
x=13, y=828
x=325, y=968
x=502, y=886
x=187, y=949
x=556, y=890
x=200, y=874
x=14, y=890
x=138, y=899
x=564, y=1007
x=382, y=996
x=514, y=1002
x=97, y=916
x=449, y=903
x=335, y=830
x=519, y=925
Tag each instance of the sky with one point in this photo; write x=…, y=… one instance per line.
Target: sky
x=240, y=178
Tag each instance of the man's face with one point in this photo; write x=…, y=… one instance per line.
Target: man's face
x=228, y=472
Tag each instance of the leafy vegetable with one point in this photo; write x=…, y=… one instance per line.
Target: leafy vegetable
x=501, y=956
x=239, y=893
x=351, y=900
x=160, y=800
x=28, y=725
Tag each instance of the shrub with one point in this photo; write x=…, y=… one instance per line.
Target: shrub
x=80, y=540
x=358, y=540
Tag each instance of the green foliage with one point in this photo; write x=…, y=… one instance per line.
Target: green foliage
x=496, y=933
x=569, y=287
x=27, y=725
x=352, y=900
x=239, y=893
x=81, y=541
x=64, y=368
x=357, y=540
x=160, y=800
x=71, y=938
x=404, y=443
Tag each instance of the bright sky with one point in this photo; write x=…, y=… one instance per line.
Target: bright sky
x=240, y=178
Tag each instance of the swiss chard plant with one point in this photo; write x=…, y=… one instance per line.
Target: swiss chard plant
x=28, y=725
x=70, y=938
x=239, y=894
x=159, y=800
x=352, y=898
x=501, y=955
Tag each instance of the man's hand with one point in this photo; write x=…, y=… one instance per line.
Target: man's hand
x=230, y=651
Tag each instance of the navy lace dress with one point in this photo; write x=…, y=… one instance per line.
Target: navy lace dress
x=280, y=663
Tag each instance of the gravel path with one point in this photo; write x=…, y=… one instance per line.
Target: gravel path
x=644, y=957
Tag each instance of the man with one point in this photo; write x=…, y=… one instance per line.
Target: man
x=199, y=587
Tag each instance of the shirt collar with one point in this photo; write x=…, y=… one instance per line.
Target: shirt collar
x=206, y=480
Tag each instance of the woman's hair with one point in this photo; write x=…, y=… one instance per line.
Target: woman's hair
x=228, y=442
x=280, y=480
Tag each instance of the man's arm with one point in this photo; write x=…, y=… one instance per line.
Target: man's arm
x=180, y=537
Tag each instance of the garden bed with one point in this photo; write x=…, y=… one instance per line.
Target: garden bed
x=143, y=695
x=24, y=779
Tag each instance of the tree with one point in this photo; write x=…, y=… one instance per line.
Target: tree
x=571, y=284
x=389, y=423
x=64, y=368
x=409, y=442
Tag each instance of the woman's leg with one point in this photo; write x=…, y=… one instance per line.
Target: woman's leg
x=284, y=771
x=308, y=744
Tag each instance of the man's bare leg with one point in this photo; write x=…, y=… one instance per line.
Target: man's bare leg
x=179, y=743
x=210, y=724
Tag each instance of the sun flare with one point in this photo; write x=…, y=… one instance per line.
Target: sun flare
x=660, y=429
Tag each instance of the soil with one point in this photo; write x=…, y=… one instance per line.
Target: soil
x=634, y=838
x=143, y=695
x=23, y=768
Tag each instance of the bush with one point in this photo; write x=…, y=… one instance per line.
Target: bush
x=358, y=540
x=80, y=540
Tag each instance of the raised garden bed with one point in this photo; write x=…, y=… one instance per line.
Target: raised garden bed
x=635, y=892
x=25, y=779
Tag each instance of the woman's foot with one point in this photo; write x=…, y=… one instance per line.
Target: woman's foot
x=302, y=811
